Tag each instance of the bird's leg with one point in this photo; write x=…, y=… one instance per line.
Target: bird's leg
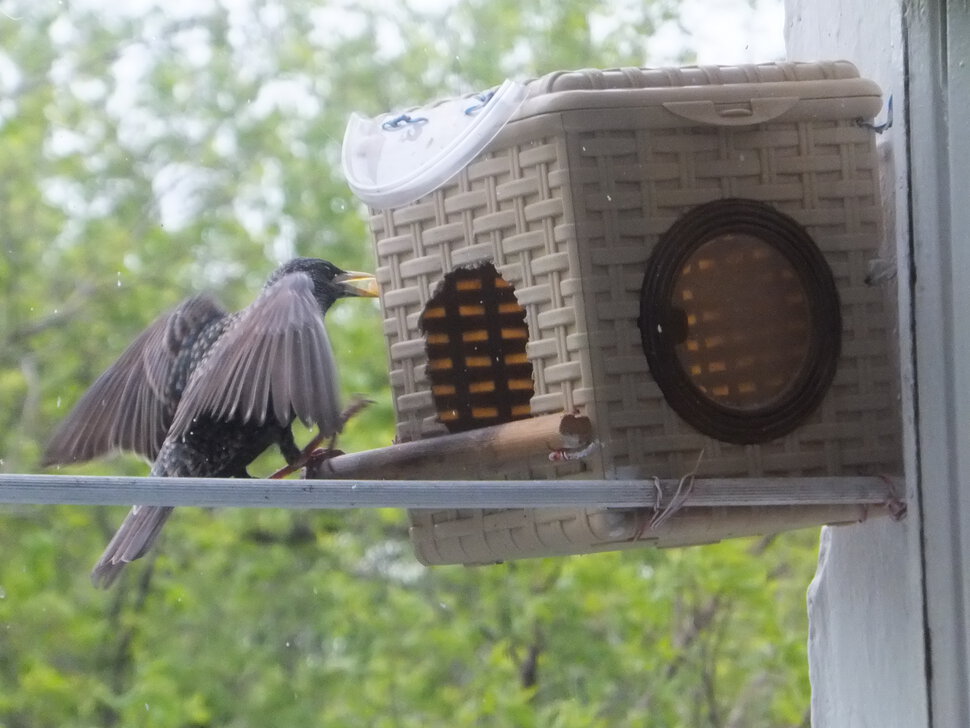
x=288, y=447
x=357, y=404
x=304, y=457
x=296, y=458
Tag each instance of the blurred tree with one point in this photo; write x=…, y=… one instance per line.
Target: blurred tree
x=150, y=152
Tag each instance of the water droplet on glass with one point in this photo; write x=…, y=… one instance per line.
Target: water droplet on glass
x=58, y=403
x=287, y=643
x=146, y=707
x=609, y=198
x=119, y=279
x=3, y=593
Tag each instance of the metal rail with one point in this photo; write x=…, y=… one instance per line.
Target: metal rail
x=259, y=493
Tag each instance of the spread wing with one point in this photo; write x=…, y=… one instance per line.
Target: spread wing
x=274, y=360
x=129, y=406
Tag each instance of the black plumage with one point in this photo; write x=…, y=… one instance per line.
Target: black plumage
x=203, y=392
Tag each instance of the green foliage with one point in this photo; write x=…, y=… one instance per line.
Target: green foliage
x=146, y=156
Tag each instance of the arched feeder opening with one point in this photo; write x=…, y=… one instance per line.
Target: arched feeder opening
x=476, y=338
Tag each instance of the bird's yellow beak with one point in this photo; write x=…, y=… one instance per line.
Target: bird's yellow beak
x=353, y=283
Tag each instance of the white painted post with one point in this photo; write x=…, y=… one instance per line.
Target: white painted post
x=866, y=646
x=888, y=636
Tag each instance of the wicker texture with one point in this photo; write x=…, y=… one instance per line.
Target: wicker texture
x=474, y=536
x=478, y=537
x=508, y=209
x=677, y=77
x=568, y=206
x=823, y=176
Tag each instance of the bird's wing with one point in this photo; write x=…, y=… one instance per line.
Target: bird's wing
x=128, y=406
x=274, y=360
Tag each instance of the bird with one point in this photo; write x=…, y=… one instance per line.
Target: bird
x=202, y=392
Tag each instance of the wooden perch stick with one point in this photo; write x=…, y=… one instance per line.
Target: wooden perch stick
x=467, y=455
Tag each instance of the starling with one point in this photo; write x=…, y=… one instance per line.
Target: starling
x=202, y=392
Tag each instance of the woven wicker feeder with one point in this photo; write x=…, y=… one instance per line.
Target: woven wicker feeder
x=681, y=256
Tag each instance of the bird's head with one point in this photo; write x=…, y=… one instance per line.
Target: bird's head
x=329, y=281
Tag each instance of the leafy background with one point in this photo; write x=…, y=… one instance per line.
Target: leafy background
x=151, y=153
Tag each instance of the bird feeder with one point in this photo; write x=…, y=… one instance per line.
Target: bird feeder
x=679, y=255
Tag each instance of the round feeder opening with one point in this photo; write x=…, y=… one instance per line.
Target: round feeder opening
x=747, y=319
x=740, y=321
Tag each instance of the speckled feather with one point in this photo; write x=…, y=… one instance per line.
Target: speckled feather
x=131, y=406
x=203, y=392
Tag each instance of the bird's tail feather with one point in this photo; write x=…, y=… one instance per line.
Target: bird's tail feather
x=132, y=540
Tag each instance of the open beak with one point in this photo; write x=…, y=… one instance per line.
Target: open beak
x=352, y=283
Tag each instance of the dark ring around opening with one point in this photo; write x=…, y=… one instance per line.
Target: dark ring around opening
x=658, y=315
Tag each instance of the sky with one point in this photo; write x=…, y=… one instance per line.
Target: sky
x=724, y=32
x=719, y=32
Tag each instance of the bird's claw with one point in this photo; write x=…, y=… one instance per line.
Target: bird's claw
x=313, y=456
x=318, y=462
